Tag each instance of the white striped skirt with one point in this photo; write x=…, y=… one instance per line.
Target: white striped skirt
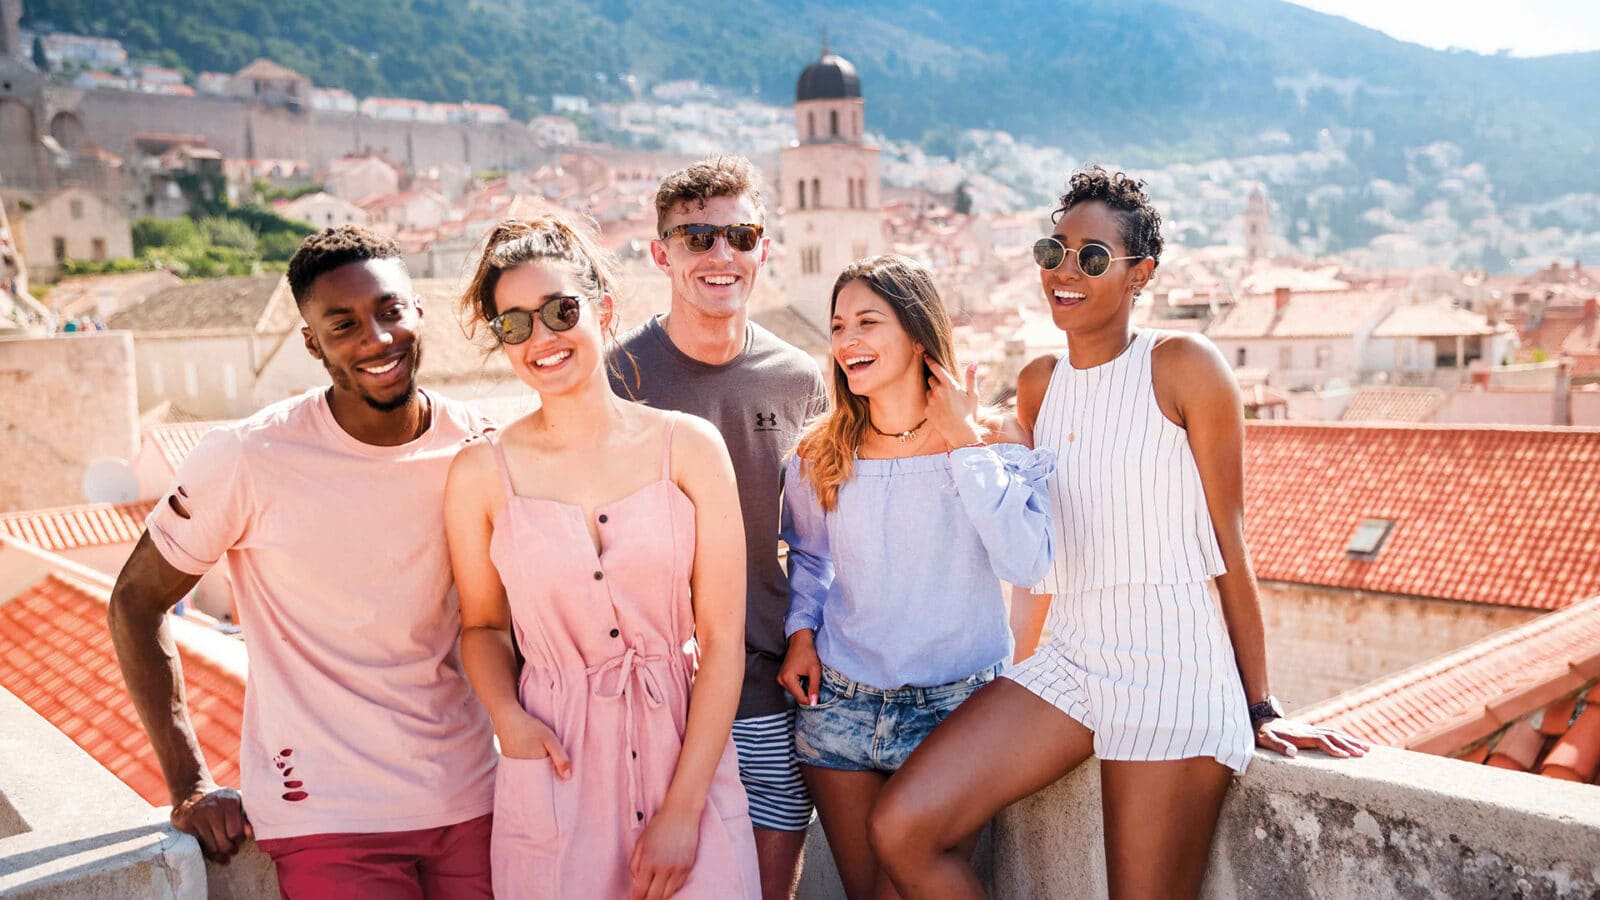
x=1149, y=668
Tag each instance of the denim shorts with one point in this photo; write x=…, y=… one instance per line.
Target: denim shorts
x=860, y=728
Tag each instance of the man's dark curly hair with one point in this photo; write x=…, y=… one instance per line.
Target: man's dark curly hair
x=331, y=248
x=1141, y=224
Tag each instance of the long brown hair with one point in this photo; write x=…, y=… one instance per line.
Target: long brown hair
x=514, y=242
x=828, y=447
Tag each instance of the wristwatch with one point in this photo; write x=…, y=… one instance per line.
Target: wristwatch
x=1269, y=708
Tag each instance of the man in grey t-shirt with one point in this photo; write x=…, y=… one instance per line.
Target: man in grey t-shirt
x=706, y=358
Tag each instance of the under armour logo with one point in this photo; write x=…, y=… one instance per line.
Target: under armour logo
x=766, y=421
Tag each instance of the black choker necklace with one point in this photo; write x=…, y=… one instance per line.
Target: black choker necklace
x=901, y=436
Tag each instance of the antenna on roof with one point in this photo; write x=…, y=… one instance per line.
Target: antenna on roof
x=824, y=31
x=110, y=479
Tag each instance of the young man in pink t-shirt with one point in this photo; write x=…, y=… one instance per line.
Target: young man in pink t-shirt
x=368, y=766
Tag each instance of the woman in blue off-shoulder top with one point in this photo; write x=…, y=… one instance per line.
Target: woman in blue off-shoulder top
x=902, y=514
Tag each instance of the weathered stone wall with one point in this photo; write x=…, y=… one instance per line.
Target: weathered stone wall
x=65, y=401
x=1325, y=641
x=1395, y=824
x=247, y=131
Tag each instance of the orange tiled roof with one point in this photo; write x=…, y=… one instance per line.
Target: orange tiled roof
x=1481, y=514
x=176, y=439
x=56, y=656
x=1525, y=698
x=71, y=527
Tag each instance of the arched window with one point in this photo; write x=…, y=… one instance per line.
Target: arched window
x=802, y=193
x=811, y=125
x=852, y=193
x=816, y=192
x=833, y=123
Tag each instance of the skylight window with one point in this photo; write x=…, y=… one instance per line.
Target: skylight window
x=1368, y=538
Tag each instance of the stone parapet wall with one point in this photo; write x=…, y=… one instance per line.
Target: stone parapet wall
x=1395, y=824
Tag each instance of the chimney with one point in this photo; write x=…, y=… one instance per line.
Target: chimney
x=1280, y=298
x=1562, y=393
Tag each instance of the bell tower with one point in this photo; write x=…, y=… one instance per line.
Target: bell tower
x=828, y=186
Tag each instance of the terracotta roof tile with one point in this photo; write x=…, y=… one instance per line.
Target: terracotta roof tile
x=1575, y=756
x=177, y=439
x=56, y=656
x=72, y=527
x=1509, y=516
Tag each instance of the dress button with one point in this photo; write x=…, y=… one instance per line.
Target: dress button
x=602, y=518
x=615, y=632
x=599, y=575
x=640, y=814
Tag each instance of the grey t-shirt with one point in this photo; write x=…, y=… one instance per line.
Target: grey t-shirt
x=759, y=400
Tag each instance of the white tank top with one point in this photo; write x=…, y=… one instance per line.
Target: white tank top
x=1128, y=503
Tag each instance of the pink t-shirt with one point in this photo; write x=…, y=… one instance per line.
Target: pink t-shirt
x=357, y=715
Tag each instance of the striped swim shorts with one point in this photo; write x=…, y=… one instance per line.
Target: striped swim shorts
x=771, y=773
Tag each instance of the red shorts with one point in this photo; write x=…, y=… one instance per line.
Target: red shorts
x=446, y=863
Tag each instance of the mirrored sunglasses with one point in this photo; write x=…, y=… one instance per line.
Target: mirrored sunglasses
x=1094, y=259
x=516, y=325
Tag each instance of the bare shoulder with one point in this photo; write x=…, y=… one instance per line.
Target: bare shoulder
x=1180, y=358
x=1036, y=374
x=1032, y=382
x=693, y=437
x=472, y=469
x=1193, y=382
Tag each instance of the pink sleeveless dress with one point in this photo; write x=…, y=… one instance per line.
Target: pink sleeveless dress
x=610, y=660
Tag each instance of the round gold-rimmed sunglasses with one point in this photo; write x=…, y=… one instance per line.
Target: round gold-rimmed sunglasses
x=1094, y=258
x=700, y=238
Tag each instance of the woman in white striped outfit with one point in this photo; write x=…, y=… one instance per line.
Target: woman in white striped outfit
x=1142, y=667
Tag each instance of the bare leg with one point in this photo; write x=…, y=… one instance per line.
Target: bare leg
x=778, y=855
x=843, y=801
x=998, y=747
x=1159, y=818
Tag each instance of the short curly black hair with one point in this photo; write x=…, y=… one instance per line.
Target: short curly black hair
x=331, y=248
x=1125, y=195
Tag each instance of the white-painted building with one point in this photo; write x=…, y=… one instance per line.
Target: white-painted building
x=323, y=210
x=1301, y=340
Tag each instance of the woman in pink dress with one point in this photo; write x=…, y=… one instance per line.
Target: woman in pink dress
x=606, y=537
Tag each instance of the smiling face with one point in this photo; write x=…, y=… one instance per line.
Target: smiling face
x=553, y=362
x=363, y=322
x=869, y=343
x=717, y=283
x=1078, y=302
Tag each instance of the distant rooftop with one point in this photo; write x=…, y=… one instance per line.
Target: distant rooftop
x=73, y=527
x=1481, y=514
x=212, y=304
x=1387, y=403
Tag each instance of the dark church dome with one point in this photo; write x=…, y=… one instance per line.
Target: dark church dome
x=829, y=78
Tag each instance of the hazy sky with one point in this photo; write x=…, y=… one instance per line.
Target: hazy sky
x=1525, y=27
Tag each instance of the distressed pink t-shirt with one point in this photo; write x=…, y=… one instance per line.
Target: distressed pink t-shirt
x=357, y=714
